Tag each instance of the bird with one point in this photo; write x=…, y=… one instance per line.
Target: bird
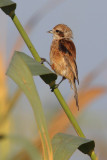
x=63, y=56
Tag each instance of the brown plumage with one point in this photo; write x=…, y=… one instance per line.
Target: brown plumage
x=63, y=55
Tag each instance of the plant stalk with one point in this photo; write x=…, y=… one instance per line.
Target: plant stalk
x=56, y=91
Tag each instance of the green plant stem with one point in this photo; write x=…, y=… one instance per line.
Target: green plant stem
x=26, y=38
x=93, y=155
x=68, y=113
x=56, y=91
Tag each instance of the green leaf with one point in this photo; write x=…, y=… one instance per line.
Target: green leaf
x=37, y=69
x=21, y=74
x=7, y=6
x=27, y=145
x=65, y=145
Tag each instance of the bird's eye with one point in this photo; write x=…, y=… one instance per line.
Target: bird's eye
x=57, y=31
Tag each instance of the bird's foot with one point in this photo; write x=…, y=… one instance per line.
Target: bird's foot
x=44, y=60
x=57, y=85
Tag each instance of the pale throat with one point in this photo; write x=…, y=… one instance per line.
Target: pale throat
x=57, y=37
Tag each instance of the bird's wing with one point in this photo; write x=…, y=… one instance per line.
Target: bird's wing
x=67, y=47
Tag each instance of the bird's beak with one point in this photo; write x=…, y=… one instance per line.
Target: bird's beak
x=50, y=31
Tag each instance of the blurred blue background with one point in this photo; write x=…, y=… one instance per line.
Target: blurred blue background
x=88, y=21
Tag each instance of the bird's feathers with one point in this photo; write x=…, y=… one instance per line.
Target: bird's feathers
x=69, y=51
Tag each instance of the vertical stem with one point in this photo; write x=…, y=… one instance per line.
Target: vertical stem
x=69, y=113
x=56, y=91
x=93, y=156
x=26, y=38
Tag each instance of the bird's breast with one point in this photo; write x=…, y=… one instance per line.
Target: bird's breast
x=56, y=56
x=57, y=60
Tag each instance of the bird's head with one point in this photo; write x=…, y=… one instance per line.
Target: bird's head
x=61, y=31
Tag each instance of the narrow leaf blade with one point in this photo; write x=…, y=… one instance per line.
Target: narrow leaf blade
x=65, y=145
x=38, y=69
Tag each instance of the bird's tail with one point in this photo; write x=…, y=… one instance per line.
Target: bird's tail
x=75, y=92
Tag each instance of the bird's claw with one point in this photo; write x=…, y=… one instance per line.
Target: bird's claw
x=43, y=60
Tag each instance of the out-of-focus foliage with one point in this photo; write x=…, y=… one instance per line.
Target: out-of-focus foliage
x=27, y=145
x=5, y=127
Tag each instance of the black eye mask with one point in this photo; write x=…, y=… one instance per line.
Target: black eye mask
x=60, y=33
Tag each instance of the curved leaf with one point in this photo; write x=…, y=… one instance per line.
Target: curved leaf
x=7, y=6
x=65, y=145
x=27, y=145
x=20, y=73
x=36, y=68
